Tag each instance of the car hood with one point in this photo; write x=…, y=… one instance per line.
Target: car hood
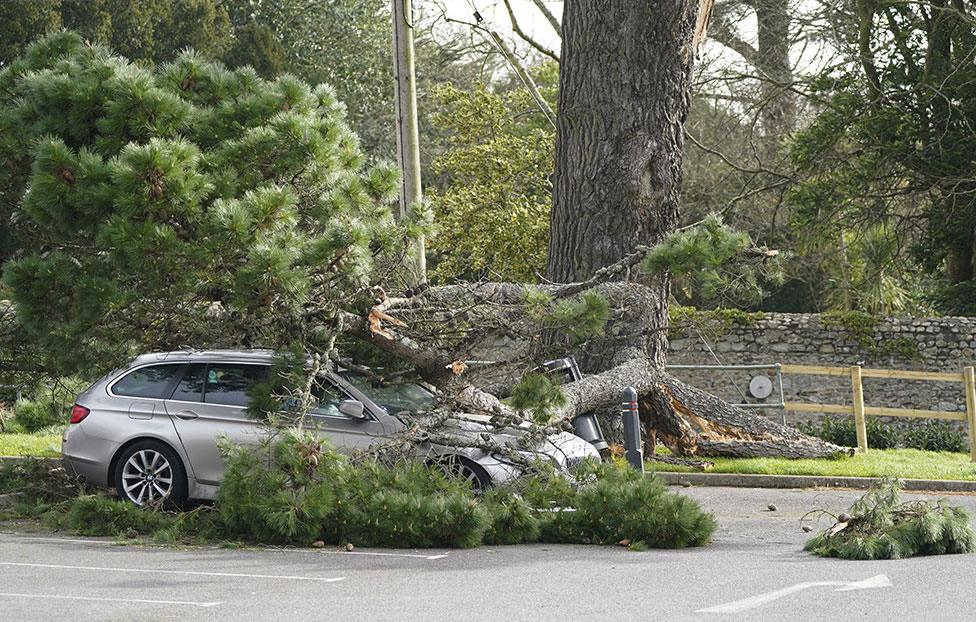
x=563, y=448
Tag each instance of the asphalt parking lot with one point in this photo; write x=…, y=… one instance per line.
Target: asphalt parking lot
x=755, y=569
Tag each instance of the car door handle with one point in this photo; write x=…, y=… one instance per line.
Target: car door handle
x=186, y=415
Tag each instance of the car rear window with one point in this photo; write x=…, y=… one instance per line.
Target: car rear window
x=151, y=381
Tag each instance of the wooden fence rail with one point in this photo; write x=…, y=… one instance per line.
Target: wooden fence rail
x=859, y=409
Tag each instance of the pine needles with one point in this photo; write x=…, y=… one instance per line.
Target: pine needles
x=880, y=526
x=297, y=490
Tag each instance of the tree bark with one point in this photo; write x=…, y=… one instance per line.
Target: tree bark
x=689, y=421
x=776, y=70
x=623, y=98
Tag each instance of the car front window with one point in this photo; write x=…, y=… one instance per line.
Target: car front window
x=394, y=397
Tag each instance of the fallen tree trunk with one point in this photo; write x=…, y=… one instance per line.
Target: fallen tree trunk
x=689, y=421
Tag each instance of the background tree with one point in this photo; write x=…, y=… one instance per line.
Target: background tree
x=492, y=205
x=153, y=30
x=891, y=153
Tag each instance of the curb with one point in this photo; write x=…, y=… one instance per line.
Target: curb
x=737, y=480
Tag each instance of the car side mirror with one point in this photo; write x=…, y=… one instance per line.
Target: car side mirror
x=352, y=408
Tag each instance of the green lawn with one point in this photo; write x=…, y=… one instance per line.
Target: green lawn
x=41, y=445
x=903, y=463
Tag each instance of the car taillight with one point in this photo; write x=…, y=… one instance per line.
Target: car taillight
x=78, y=413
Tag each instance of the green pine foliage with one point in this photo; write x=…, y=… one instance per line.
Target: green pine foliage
x=296, y=490
x=622, y=504
x=183, y=204
x=708, y=263
x=538, y=395
x=303, y=491
x=37, y=489
x=100, y=515
x=882, y=527
x=513, y=520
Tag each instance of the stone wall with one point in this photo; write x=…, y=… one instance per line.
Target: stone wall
x=927, y=344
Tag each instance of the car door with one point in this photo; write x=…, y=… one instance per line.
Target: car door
x=346, y=433
x=137, y=400
x=210, y=403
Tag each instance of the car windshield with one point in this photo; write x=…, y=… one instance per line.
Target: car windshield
x=394, y=397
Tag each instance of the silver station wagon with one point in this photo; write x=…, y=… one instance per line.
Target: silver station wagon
x=151, y=429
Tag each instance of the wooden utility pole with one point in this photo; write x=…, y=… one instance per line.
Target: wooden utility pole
x=408, y=138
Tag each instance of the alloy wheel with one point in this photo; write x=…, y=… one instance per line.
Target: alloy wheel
x=147, y=477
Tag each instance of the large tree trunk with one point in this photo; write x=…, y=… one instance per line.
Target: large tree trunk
x=623, y=97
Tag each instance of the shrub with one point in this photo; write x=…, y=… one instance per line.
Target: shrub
x=881, y=527
x=35, y=415
x=930, y=435
x=49, y=404
x=934, y=435
x=842, y=431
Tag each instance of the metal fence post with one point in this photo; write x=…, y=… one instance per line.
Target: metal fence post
x=632, y=441
x=859, y=424
x=968, y=378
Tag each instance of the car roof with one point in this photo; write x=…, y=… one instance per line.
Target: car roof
x=187, y=355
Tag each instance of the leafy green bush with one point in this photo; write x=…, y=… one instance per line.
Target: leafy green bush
x=842, y=431
x=881, y=527
x=934, y=435
x=930, y=435
x=35, y=415
x=48, y=405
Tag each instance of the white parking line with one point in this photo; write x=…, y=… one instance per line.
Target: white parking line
x=111, y=600
x=376, y=553
x=68, y=540
x=181, y=572
x=277, y=550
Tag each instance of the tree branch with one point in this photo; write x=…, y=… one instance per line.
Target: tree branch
x=525, y=36
x=539, y=4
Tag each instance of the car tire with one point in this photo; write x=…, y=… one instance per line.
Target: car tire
x=468, y=470
x=149, y=473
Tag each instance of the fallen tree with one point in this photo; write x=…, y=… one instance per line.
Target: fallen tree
x=196, y=206
x=687, y=420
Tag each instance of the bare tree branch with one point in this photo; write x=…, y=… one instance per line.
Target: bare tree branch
x=549, y=16
x=525, y=36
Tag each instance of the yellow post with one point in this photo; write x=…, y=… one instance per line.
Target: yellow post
x=859, y=425
x=967, y=375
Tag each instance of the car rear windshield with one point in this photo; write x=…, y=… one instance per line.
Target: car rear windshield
x=394, y=398
x=151, y=381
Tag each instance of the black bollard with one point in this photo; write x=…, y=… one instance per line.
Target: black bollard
x=632, y=440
